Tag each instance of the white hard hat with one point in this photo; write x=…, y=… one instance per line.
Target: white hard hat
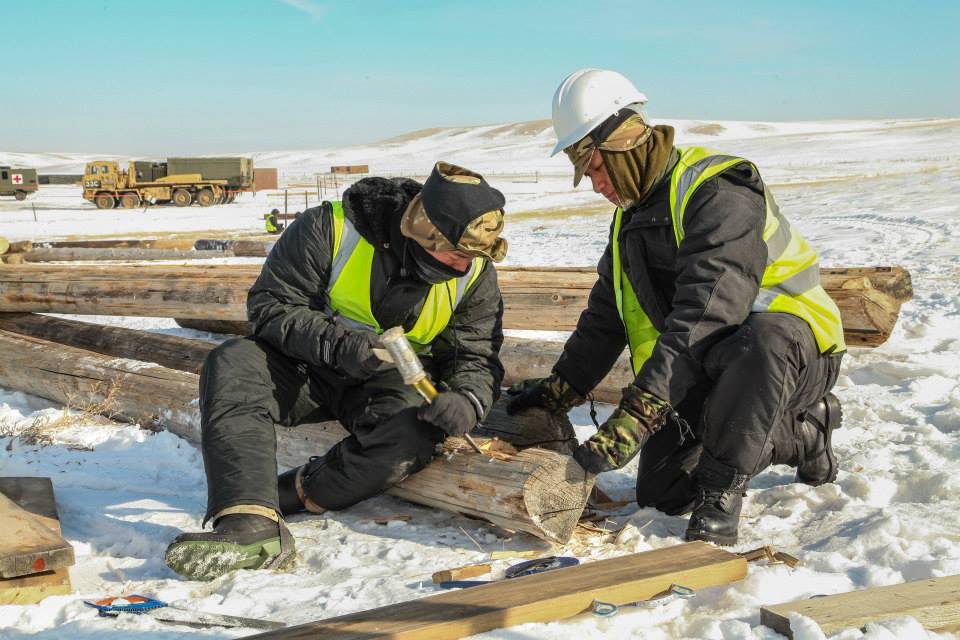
x=585, y=99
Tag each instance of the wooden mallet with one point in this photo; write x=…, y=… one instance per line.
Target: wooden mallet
x=411, y=370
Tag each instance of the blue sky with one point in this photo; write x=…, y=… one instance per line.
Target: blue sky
x=211, y=76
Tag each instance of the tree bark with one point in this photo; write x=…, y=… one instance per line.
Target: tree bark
x=539, y=299
x=173, y=352
x=537, y=491
x=66, y=254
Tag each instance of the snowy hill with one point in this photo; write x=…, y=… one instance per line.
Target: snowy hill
x=515, y=147
x=863, y=193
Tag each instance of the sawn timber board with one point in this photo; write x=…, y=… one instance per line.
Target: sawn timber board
x=36, y=496
x=543, y=597
x=935, y=603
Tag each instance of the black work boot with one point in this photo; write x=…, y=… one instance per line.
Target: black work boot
x=716, y=517
x=238, y=541
x=816, y=463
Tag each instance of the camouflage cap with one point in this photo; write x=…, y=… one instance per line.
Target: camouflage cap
x=626, y=134
x=480, y=238
x=457, y=211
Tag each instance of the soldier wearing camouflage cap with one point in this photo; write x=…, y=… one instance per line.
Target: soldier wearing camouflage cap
x=734, y=344
x=392, y=253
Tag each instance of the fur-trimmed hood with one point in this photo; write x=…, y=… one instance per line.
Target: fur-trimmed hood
x=375, y=206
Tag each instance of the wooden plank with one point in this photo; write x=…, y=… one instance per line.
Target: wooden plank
x=935, y=603
x=869, y=298
x=34, y=495
x=543, y=597
x=28, y=545
x=460, y=573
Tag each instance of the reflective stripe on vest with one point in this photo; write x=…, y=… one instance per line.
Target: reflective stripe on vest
x=791, y=280
x=641, y=334
x=348, y=289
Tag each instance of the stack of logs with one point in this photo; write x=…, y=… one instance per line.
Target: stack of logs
x=535, y=490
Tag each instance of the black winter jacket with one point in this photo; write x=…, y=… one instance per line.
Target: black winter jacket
x=286, y=304
x=695, y=295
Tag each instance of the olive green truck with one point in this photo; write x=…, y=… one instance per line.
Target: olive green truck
x=180, y=181
x=18, y=183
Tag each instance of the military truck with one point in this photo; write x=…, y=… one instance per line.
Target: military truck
x=238, y=172
x=181, y=181
x=18, y=183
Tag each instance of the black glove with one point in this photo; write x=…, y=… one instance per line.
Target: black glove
x=451, y=411
x=351, y=352
x=552, y=394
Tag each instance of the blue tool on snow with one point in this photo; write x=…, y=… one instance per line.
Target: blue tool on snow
x=142, y=605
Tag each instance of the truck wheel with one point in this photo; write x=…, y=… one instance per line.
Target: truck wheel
x=205, y=198
x=182, y=198
x=130, y=201
x=105, y=201
x=20, y=195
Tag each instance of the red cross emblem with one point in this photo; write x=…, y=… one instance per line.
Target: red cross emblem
x=17, y=178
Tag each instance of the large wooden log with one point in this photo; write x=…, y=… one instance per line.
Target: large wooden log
x=174, y=352
x=82, y=254
x=205, y=291
x=240, y=248
x=166, y=242
x=540, y=299
x=522, y=358
x=537, y=491
x=116, y=243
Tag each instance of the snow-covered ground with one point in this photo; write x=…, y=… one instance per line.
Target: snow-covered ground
x=864, y=193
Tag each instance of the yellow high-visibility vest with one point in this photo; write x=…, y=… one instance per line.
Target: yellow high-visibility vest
x=791, y=280
x=348, y=289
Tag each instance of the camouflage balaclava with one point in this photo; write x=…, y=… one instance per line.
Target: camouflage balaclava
x=635, y=154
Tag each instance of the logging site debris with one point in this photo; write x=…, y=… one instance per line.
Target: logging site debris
x=482, y=500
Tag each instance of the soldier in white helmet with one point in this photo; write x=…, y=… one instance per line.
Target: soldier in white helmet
x=734, y=344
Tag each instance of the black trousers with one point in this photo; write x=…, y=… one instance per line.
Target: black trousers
x=247, y=386
x=745, y=412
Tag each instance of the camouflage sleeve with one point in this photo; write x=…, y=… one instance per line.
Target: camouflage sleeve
x=286, y=304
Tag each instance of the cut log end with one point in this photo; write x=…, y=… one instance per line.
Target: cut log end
x=556, y=493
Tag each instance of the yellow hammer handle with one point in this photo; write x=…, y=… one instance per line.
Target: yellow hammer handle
x=426, y=389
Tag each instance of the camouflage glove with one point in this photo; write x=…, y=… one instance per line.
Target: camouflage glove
x=619, y=439
x=552, y=393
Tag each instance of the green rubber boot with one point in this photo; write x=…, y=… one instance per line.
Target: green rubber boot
x=238, y=541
